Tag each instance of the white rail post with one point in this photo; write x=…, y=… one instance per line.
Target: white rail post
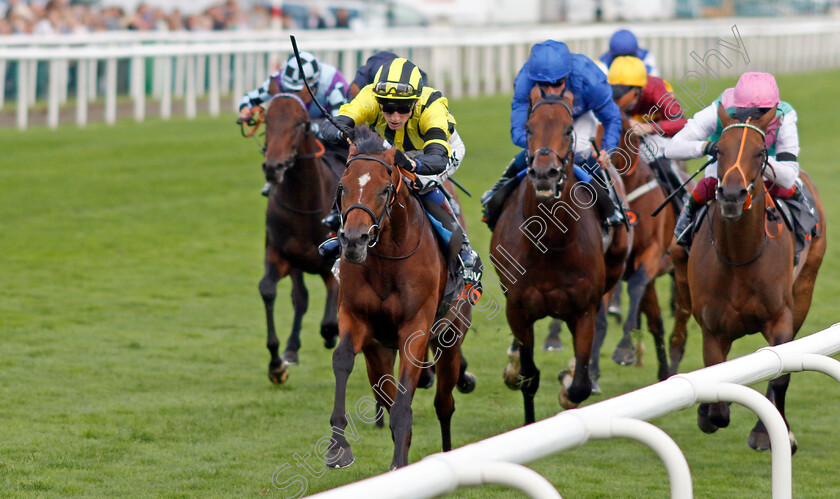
x=138, y=87
x=166, y=88
x=659, y=441
x=189, y=105
x=238, y=80
x=224, y=74
x=22, y=97
x=82, y=91
x=489, y=63
x=782, y=482
x=473, y=73
x=2, y=82
x=505, y=71
x=53, y=91
x=93, y=79
x=507, y=474
x=111, y=91
x=33, y=81
x=213, y=98
x=200, y=74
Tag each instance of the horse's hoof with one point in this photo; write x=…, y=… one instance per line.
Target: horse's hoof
x=466, y=383
x=290, y=357
x=511, y=374
x=563, y=398
x=596, y=388
x=624, y=356
x=615, y=311
x=330, y=334
x=278, y=374
x=793, y=443
x=552, y=345
x=759, y=440
x=339, y=458
x=703, y=422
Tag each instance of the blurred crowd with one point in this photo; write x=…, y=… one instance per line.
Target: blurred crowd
x=64, y=16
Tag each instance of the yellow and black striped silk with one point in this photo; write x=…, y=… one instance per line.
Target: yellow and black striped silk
x=430, y=122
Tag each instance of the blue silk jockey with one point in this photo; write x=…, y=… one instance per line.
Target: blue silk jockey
x=415, y=119
x=623, y=42
x=555, y=70
x=325, y=80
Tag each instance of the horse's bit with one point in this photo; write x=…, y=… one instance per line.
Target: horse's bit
x=376, y=229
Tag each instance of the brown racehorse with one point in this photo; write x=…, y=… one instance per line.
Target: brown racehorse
x=392, y=281
x=740, y=272
x=302, y=192
x=649, y=254
x=566, y=268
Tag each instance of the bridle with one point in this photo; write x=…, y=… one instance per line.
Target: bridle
x=375, y=230
x=294, y=157
x=547, y=151
x=737, y=165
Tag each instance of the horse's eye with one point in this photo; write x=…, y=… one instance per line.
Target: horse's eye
x=528, y=129
x=569, y=131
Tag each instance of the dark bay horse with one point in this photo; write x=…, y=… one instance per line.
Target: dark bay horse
x=392, y=281
x=302, y=192
x=740, y=272
x=550, y=228
x=649, y=254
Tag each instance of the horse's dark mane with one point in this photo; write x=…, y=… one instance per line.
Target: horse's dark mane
x=367, y=141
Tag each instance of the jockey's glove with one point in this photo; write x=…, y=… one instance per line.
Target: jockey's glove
x=711, y=149
x=402, y=161
x=334, y=135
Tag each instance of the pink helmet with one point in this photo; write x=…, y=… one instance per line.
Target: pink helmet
x=752, y=90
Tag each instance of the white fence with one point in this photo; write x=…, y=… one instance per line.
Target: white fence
x=498, y=460
x=156, y=70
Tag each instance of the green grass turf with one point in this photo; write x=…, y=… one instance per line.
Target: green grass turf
x=132, y=357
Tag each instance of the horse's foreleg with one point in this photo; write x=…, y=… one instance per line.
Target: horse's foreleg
x=300, y=302
x=583, y=332
x=710, y=417
x=447, y=369
x=380, y=368
x=778, y=333
x=275, y=269
x=552, y=341
x=329, y=324
x=414, y=340
x=682, y=307
x=625, y=354
x=597, y=343
x=339, y=454
x=529, y=375
x=650, y=306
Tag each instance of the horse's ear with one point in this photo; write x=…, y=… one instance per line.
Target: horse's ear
x=389, y=155
x=273, y=87
x=569, y=98
x=723, y=116
x=352, y=151
x=536, y=95
x=765, y=120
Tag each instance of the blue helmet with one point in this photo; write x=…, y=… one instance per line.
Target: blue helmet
x=549, y=61
x=623, y=42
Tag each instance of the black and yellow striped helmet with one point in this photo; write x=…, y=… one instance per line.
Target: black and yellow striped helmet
x=399, y=79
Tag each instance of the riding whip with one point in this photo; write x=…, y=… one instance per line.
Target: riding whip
x=681, y=187
x=311, y=93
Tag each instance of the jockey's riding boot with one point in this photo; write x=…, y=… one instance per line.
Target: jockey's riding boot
x=494, y=199
x=471, y=269
x=330, y=248
x=265, y=190
x=685, y=221
x=333, y=220
x=608, y=205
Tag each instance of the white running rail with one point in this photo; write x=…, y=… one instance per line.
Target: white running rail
x=179, y=71
x=498, y=460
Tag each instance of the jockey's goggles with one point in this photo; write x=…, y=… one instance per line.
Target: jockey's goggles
x=395, y=90
x=555, y=83
x=400, y=107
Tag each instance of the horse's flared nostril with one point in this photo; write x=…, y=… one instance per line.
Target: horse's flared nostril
x=553, y=172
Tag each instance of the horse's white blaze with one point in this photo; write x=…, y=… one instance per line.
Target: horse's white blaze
x=363, y=180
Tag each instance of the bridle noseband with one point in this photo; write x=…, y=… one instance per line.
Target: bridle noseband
x=375, y=230
x=547, y=151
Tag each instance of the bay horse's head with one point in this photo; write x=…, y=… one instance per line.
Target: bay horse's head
x=286, y=126
x=367, y=192
x=742, y=157
x=549, y=131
